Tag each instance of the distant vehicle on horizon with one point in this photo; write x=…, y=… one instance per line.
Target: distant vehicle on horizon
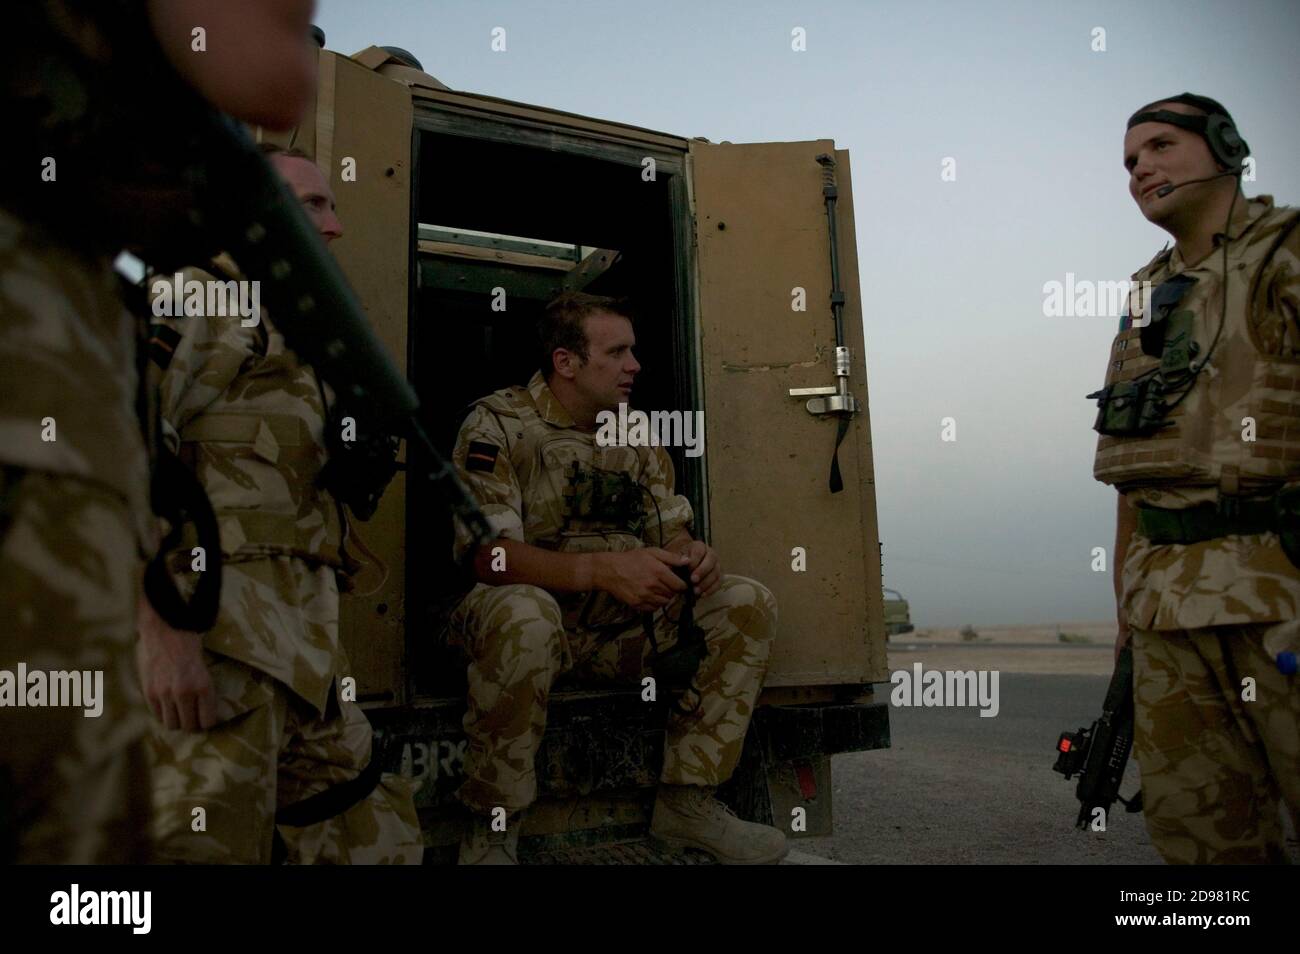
x=897, y=617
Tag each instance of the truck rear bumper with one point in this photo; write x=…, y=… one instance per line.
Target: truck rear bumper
x=600, y=761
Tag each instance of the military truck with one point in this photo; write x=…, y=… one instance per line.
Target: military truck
x=898, y=618
x=463, y=215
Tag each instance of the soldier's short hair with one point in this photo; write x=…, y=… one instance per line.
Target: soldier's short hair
x=562, y=324
x=1203, y=105
x=272, y=149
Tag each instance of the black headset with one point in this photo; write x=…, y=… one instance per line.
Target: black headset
x=1226, y=144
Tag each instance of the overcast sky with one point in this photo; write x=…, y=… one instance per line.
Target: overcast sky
x=998, y=526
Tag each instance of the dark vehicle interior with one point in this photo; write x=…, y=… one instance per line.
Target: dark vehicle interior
x=503, y=227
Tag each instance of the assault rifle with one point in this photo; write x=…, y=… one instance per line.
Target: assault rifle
x=1099, y=754
x=207, y=190
x=262, y=225
x=239, y=205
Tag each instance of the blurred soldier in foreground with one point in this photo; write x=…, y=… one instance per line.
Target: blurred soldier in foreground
x=1200, y=425
x=253, y=719
x=583, y=555
x=84, y=84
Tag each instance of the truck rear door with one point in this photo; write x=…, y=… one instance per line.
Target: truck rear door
x=762, y=254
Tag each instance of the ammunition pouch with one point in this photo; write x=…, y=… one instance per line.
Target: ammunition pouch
x=1138, y=408
x=607, y=498
x=1164, y=298
x=358, y=471
x=603, y=512
x=1131, y=408
x=1179, y=348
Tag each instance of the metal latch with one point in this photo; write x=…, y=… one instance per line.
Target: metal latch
x=831, y=400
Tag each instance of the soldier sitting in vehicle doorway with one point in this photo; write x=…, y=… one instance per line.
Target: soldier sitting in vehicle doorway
x=588, y=540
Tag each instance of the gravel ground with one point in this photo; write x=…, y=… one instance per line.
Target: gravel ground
x=958, y=789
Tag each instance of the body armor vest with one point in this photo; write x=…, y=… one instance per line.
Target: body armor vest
x=1235, y=423
x=577, y=497
x=584, y=492
x=259, y=452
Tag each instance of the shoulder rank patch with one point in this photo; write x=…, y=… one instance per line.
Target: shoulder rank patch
x=482, y=456
x=163, y=340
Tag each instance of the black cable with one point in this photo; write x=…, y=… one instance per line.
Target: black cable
x=659, y=517
x=614, y=627
x=690, y=689
x=1223, y=305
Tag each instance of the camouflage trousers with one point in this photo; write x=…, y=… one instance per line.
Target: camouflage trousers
x=276, y=751
x=1216, y=766
x=73, y=779
x=517, y=645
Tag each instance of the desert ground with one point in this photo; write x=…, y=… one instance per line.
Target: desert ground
x=1057, y=648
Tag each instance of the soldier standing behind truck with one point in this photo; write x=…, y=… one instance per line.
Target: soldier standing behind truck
x=255, y=729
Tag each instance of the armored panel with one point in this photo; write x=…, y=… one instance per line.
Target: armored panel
x=363, y=126
x=762, y=235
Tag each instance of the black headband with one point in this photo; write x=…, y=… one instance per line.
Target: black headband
x=1194, y=124
x=1215, y=126
x=1210, y=107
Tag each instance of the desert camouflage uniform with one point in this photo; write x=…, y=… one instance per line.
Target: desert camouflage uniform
x=74, y=530
x=519, y=638
x=1205, y=616
x=241, y=410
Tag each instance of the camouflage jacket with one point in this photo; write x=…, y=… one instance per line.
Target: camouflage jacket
x=240, y=409
x=1234, y=579
x=68, y=382
x=518, y=464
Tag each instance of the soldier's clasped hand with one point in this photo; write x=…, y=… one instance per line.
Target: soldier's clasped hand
x=643, y=579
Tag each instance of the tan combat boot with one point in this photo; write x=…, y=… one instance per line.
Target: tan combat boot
x=480, y=845
x=688, y=816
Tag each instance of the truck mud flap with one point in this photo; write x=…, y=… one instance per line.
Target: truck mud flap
x=784, y=775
